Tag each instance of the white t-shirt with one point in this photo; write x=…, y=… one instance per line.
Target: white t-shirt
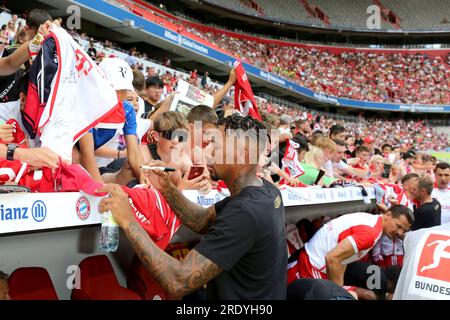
x=341, y=165
x=10, y=110
x=443, y=196
x=113, y=144
x=328, y=167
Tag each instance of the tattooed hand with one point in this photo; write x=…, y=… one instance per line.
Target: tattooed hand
x=164, y=183
x=117, y=203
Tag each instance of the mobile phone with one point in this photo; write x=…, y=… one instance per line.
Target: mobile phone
x=166, y=169
x=319, y=176
x=386, y=170
x=195, y=172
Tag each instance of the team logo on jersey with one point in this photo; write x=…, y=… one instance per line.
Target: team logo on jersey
x=277, y=202
x=434, y=260
x=83, y=208
x=139, y=216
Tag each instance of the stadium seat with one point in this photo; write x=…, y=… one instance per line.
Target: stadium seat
x=99, y=282
x=31, y=283
x=141, y=282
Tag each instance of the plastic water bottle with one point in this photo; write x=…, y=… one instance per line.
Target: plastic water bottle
x=109, y=236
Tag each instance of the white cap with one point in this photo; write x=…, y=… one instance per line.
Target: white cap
x=118, y=72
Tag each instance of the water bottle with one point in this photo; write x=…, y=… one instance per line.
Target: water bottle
x=109, y=236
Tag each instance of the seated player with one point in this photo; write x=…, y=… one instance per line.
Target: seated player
x=344, y=240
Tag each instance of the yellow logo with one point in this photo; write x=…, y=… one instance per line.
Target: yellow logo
x=277, y=202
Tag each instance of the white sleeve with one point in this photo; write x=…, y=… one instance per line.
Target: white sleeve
x=341, y=165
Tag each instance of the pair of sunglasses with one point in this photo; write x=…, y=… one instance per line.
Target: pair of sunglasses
x=180, y=135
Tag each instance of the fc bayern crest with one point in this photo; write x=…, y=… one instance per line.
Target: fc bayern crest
x=83, y=208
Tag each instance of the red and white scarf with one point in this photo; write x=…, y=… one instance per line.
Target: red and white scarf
x=244, y=100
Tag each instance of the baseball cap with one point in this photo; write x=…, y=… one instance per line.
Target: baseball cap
x=118, y=72
x=368, y=139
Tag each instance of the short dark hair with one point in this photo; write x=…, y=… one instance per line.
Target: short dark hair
x=361, y=148
x=308, y=226
x=302, y=142
x=408, y=155
x=154, y=81
x=409, y=176
x=399, y=210
x=336, y=129
x=318, y=132
x=255, y=127
x=442, y=166
x=386, y=145
x=392, y=275
x=340, y=143
x=426, y=183
x=36, y=17
x=202, y=113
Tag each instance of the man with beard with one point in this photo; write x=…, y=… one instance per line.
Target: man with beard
x=243, y=252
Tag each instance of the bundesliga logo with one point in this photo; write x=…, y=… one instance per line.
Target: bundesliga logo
x=435, y=258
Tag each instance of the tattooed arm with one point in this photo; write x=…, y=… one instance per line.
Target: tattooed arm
x=194, y=216
x=177, y=278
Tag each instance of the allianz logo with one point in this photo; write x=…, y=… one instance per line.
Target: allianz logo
x=208, y=201
x=38, y=212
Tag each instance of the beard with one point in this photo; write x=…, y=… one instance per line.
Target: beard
x=212, y=173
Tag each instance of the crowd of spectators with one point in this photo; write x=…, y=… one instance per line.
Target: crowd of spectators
x=419, y=134
x=415, y=78
x=312, y=150
x=371, y=76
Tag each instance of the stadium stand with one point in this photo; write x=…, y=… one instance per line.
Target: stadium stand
x=291, y=10
x=423, y=15
x=415, y=15
x=371, y=75
x=318, y=151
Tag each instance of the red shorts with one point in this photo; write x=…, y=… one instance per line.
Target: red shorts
x=302, y=268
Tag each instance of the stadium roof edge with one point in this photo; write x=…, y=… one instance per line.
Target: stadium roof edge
x=111, y=16
x=291, y=25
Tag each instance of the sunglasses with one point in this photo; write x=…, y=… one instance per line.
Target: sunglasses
x=180, y=135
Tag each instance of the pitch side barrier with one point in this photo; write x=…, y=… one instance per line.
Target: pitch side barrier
x=204, y=49
x=58, y=230
x=32, y=212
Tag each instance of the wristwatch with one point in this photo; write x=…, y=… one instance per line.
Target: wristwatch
x=10, y=152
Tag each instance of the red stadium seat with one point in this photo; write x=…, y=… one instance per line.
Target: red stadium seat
x=31, y=283
x=99, y=282
x=141, y=282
